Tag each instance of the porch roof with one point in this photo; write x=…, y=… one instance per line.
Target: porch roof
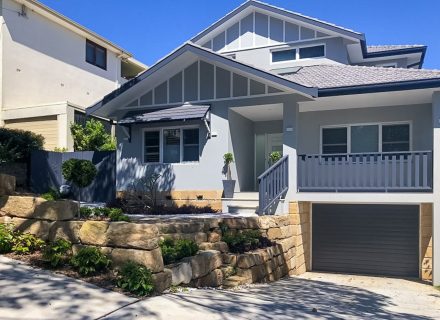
x=179, y=113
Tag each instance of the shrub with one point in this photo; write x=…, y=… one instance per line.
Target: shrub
x=135, y=278
x=91, y=137
x=275, y=157
x=117, y=215
x=90, y=260
x=80, y=172
x=248, y=240
x=175, y=250
x=24, y=243
x=228, y=159
x=86, y=212
x=17, y=145
x=6, y=237
x=57, y=252
x=51, y=195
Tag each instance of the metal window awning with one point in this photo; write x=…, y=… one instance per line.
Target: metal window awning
x=180, y=113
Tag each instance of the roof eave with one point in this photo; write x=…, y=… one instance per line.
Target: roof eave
x=380, y=87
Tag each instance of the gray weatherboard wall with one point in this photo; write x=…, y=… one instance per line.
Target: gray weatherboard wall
x=420, y=116
x=46, y=173
x=207, y=173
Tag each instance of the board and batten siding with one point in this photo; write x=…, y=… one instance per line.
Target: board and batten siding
x=46, y=126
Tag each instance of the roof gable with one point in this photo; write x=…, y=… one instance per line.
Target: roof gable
x=255, y=24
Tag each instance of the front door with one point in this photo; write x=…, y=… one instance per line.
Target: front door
x=265, y=144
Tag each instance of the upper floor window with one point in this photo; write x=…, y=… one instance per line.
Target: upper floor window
x=96, y=55
x=298, y=53
x=312, y=52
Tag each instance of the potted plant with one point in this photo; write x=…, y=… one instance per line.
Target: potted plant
x=274, y=157
x=228, y=184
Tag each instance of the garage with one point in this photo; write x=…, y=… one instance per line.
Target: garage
x=366, y=239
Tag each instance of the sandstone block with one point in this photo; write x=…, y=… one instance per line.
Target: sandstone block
x=181, y=273
x=68, y=230
x=38, y=228
x=132, y=235
x=229, y=258
x=56, y=210
x=214, y=236
x=287, y=243
x=213, y=279
x=242, y=223
x=218, y=246
x=151, y=259
x=94, y=233
x=204, y=262
x=247, y=260
x=162, y=280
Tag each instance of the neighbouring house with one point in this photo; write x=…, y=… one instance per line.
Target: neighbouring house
x=358, y=127
x=52, y=68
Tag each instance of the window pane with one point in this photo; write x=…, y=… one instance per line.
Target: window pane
x=311, y=52
x=285, y=55
x=152, y=146
x=191, y=145
x=90, y=53
x=100, y=58
x=395, y=132
x=395, y=147
x=171, y=146
x=364, y=138
x=334, y=140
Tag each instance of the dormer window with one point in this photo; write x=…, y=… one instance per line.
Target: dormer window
x=293, y=54
x=96, y=55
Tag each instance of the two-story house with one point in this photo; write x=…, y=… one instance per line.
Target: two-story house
x=358, y=127
x=52, y=68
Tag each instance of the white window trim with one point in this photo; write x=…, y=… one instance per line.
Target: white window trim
x=380, y=124
x=161, y=129
x=297, y=48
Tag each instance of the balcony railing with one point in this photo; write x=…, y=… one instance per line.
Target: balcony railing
x=381, y=172
x=273, y=184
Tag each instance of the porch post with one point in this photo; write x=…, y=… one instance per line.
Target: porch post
x=290, y=133
x=436, y=189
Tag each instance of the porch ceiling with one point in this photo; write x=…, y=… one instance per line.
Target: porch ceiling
x=265, y=112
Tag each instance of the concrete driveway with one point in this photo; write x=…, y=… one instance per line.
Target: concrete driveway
x=27, y=293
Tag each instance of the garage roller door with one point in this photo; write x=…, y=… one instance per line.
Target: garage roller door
x=367, y=239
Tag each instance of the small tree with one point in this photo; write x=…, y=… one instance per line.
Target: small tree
x=274, y=157
x=91, y=137
x=228, y=158
x=79, y=172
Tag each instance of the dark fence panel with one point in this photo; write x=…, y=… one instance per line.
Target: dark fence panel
x=46, y=173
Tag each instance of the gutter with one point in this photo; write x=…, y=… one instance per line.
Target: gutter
x=374, y=88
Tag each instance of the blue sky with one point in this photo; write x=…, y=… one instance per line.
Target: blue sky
x=150, y=29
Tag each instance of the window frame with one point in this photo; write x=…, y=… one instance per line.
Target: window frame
x=379, y=124
x=161, y=130
x=297, y=56
x=96, y=46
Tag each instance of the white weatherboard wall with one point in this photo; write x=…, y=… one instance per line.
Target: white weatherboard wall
x=436, y=180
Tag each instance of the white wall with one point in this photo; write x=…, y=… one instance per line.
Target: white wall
x=44, y=62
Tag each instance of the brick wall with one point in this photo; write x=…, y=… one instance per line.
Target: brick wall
x=426, y=241
x=300, y=211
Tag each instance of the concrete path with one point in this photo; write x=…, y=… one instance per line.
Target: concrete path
x=27, y=293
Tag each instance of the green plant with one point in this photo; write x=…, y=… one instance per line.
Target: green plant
x=6, y=237
x=17, y=145
x=58, y=149
x=86, y=212
x=117, y=215
x=244, y=241
x=79, y=172
x=228, y=159
x=274, y=157
x=90, y=260
x=51, y=195
x=24, y=243
x=135, y=278
x=175, y=250
x=57, y=252
x=91, y=137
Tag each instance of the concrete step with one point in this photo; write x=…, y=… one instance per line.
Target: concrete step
x=242, y=209
x=246, y=196
x=234, y=281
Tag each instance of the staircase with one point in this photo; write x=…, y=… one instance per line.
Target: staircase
x=243, y=203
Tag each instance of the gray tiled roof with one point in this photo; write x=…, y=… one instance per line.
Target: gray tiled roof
x=184, y=112
x=383, y=48
x=334, y=76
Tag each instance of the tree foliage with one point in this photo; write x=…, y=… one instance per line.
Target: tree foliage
x=91, y=137
x=17, y=145
x=79, y=172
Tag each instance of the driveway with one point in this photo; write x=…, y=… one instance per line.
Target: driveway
x=27, y=293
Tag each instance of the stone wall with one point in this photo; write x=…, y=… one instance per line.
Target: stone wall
x=426, y=241
x=198, y=198
x=301, y=213
x=139, y=241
